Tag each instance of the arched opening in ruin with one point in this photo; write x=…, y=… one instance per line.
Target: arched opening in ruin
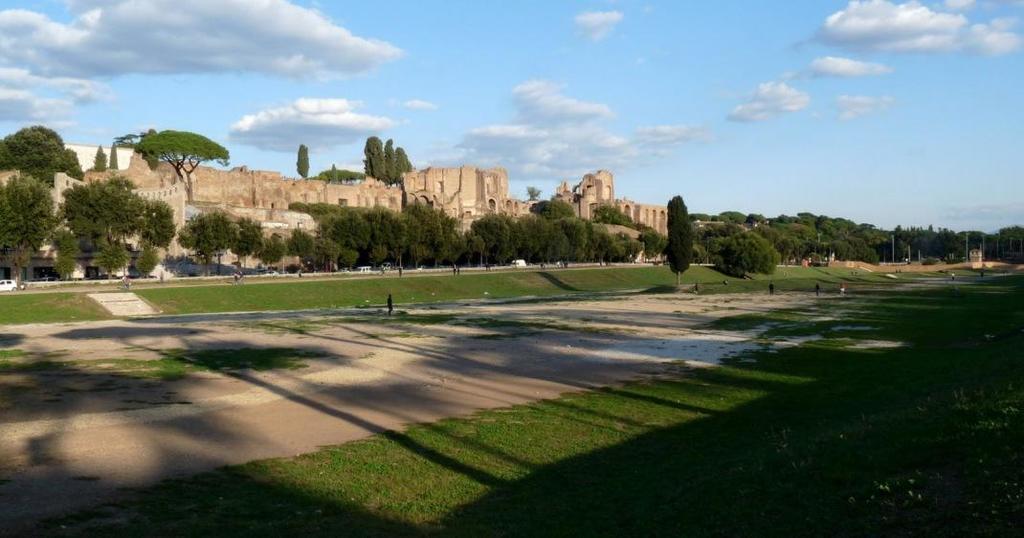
x=492, y=204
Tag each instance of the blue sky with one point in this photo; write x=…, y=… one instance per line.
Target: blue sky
x=881, y=111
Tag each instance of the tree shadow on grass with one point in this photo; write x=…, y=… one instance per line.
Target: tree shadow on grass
x=556, y=281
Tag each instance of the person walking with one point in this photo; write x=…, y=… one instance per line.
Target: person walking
x=399, y=271
x=771, y=288
x=842, y=289
x=391, y=305
x=817, y=289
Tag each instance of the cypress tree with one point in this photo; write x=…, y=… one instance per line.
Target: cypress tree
x=680, y=237
x=403, y=162
x=390, y=164
x=373, y=164
x=302, y=164
x=113, y=158
x=99, y=164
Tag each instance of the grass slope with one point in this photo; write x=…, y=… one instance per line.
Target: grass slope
x=925, y=439
x=294, y=295
x=48, y=308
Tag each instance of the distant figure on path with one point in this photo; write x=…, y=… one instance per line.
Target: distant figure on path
x=399, y=271
x=842, y=289
x=391, y=305
x=696, y=288
x=817, y=289
x=771, y=288
x=952, y=276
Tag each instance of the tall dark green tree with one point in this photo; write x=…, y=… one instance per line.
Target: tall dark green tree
x=38, y=152
x=106, y=212
x=373, y=162
x=301, y=245
x=26, y=220
x=99, y=162
x=272, y=250
x=390, y=164
x=67, y=253
x=302, y=163
x=403, y=163
x=207, y=235
x=249, y=240
x=680, y=238
x=112, y=164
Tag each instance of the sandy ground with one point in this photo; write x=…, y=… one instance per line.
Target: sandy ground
x=77, y=437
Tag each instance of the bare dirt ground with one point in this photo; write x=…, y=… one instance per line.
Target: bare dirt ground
x=79, y=434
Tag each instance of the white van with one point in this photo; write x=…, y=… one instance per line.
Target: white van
x=8, y=285
x=518, y=263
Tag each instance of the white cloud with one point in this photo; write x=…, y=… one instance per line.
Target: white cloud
x=318, y=123
x=833, y=66
x=556, y=136
x=771, y=99
x=543, y=101
x=672, y=134
x=22, y=105
x=597, y=25
x=855, y=106
x=419, y=104
x=77, y=89
x=914, y=27
x=117, y=37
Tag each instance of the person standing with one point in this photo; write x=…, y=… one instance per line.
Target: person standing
x=817, y=289
x=391, y=305
x=771, y=288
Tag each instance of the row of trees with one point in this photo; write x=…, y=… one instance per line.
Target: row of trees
x=106, y=217
x=810, y=236
x=424, y=235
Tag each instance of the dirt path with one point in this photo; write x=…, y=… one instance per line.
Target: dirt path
x=77, y=433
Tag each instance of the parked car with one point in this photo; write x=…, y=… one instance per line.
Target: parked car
x=8, y=285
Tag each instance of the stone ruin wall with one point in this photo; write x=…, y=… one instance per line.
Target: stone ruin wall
x=598, y=189
x=465, y=193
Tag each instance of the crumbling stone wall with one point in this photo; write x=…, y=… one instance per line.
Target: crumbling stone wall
x=598, y=189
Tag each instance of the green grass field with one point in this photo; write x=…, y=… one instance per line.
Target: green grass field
x=354, y=292
x=347, y=293
x=48, y=308
x=821, y=439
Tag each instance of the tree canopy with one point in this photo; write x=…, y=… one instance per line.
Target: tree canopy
x=184, y=151
x=208, y=234
x=39, y=152
x=26, y=219
x=609, y=214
